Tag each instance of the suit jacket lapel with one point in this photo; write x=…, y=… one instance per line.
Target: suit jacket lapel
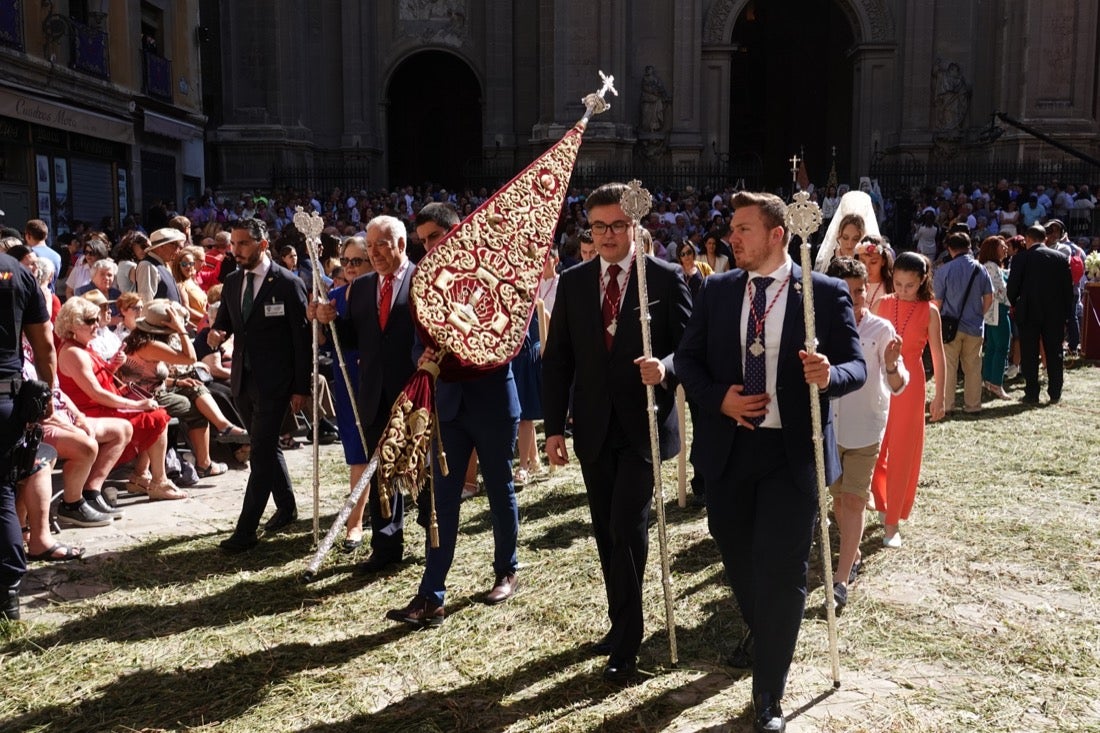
x=402, y=295
x=262, y=292
x=738, y=304
x=630, y=314
x=592, y=301
x=794, y=329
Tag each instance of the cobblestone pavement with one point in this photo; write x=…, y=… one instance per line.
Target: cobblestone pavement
x=212, y=508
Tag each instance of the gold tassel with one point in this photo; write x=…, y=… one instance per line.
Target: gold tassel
x=383, y=501
x=433, y=526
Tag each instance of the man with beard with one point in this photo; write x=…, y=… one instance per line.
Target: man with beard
x=264, y=308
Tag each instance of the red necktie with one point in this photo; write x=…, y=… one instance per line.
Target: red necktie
x=611, y=305
x=384, y=299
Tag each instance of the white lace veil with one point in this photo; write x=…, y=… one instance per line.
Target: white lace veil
x=853, y=202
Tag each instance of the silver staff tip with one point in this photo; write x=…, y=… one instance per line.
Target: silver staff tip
x=636, y=201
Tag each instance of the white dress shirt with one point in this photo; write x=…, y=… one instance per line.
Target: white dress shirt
x=773, y=330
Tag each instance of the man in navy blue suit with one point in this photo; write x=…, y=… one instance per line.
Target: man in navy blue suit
x=480, y=414
x=742, y=360
x=379, y=324
x=264, y=309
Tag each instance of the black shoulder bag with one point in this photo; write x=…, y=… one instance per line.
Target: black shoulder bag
x=949, y=325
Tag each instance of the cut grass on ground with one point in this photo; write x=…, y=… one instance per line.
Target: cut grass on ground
x=986, y=619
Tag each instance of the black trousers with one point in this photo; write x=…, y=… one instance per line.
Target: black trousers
x=620, y=488
x=1050, y=334
x=761, y=515
x=263, y=416
x=13, y=561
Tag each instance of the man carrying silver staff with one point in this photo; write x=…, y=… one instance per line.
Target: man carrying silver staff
x=754, y=430
x=603, y=355
x=379, y=324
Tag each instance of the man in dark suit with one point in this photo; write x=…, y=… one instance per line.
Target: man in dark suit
x=603, y=355
x=1040, y=288
x=379, y=324
x=479, y=414
x=742, y=361
x=264, y=309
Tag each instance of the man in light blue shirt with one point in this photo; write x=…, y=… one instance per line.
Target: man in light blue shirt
x=35, y=232
x=1032, y=211
x=963, y=292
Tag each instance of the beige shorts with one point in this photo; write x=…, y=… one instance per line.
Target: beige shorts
x=856, y=467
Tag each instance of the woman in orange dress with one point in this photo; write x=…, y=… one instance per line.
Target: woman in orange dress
x=917, y=322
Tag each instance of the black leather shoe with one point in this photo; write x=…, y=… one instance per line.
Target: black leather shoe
x=741, y=658
x=281, y=519
x=10, y=610
x=235, y=543
x=620, y=671
x=1030, y=400
x=420, y=612
x=376, y=563
x=767, y=715
x=502, y=590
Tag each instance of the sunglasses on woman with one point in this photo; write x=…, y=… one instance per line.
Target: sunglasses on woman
x=353, y=261
x=187, y=263
x=91, y=320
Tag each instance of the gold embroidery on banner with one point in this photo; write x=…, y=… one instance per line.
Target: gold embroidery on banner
x=473, y=291
x=404, y=448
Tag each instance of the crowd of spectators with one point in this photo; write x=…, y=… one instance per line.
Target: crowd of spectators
x=112, y=315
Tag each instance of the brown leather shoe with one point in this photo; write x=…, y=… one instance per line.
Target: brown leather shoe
x=503, y=589
x=420, y=612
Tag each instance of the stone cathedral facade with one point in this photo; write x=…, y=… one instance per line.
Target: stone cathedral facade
x=415, y=90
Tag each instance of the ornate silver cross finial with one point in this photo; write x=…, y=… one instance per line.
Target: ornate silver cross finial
x=608, y=84
x=636, y=201
x=803, y=216
x=595, y=103
x=310, y=225
x=795, y=160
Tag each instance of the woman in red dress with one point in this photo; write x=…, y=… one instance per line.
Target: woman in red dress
x=90, y=383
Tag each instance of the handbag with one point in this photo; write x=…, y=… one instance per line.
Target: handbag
x=132, y=390
x=949, y=325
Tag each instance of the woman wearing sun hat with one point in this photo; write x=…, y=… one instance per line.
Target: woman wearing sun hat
x=159, y=344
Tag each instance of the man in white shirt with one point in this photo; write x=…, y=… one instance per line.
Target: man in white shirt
x=860, y=420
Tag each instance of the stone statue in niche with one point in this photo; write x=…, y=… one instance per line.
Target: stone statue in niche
x=441, y=21
x=654, y=102
x=950, y=95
